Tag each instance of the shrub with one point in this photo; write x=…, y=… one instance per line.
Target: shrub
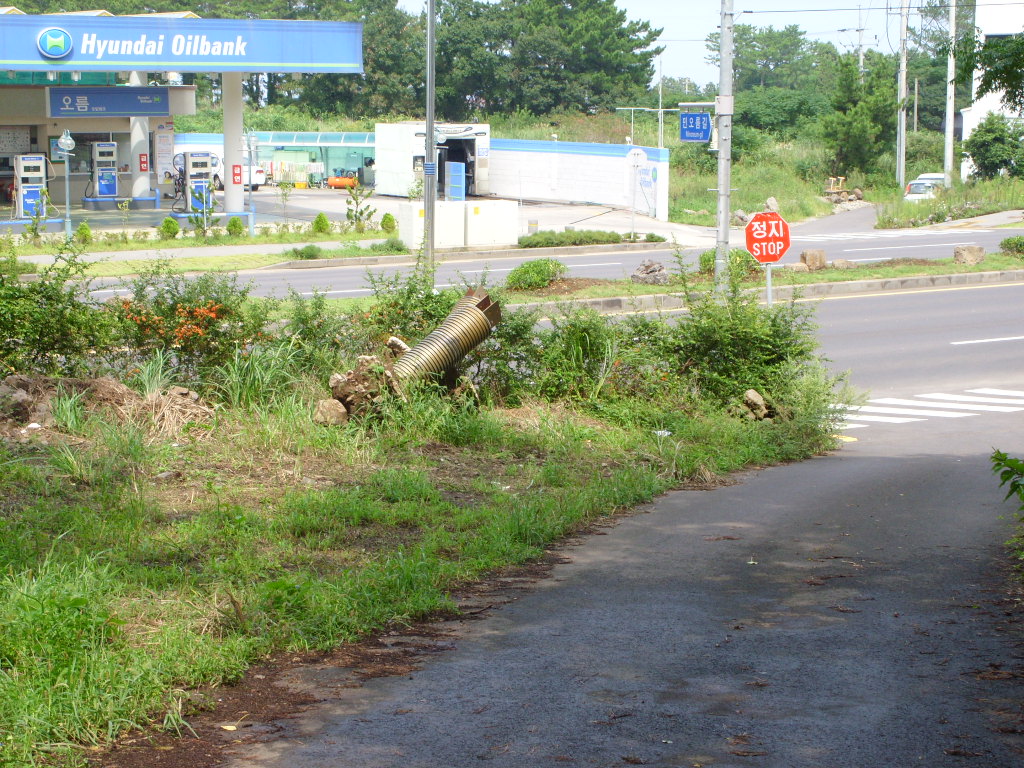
x=83, y=234
x=308, y=252
x=653, y=238
x=550, y=238
x=169, y=228
x=741, y=265
x=388, y=223
x=538, y=273
x=407, y=305
x=51, y=325
x=321, y=225
x=391, y=245
x=1014, y=245
x=235, y=227
x=200, y=321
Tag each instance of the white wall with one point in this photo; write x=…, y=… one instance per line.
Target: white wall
x=576, y=172
x=991, y=20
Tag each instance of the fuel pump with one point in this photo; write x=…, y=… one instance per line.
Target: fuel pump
x=198, y=170
x=104, y=168
x=29, y=186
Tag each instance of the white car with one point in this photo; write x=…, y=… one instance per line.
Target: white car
x=249, y=170
x=921, y=190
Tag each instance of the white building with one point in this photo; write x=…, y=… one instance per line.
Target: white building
x=992, y=21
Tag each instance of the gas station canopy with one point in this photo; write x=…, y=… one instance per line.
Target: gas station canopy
x=156, y=43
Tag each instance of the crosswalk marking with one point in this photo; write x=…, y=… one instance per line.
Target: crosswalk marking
x=971, y=399
x=1006, y=392
x=943, y=405
x=957, y=406
x=907, y=411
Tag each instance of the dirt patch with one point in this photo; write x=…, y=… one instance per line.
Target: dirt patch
x=569, y=285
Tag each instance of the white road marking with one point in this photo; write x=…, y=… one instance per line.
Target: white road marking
x=971, y=399
x=1006, y=392
x=988, y=341
x=958, y=406
x=902, y=247
x=884, y=419
x=882, y=234
x=853, y=426
x=909, y=412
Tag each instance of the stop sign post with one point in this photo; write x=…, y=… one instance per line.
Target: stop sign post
x=767, y=240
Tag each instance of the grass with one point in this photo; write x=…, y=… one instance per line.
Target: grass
x=959, y=202
x=121, y=589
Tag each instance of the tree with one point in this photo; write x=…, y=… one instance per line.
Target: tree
x=995, y=147
x=863, y=125
x=764, y=56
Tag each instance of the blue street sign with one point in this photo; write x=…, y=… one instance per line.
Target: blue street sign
x=694, y=126
x=430, y=169
x=114, y=101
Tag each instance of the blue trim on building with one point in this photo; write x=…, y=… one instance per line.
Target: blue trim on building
x=576, y=148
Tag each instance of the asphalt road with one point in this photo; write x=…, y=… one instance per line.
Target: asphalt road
x=843, y=612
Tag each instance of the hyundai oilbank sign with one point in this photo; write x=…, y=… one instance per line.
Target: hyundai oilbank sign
x=154, y=43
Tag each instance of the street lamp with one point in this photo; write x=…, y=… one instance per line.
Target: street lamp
x=66, y=144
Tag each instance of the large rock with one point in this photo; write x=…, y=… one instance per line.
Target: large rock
x=796, y=267
x=755, y=403
x=843, y=264
x=650, y=273
x=329, y=411
x=814, y=258
x=771, y=204
x=968, y=254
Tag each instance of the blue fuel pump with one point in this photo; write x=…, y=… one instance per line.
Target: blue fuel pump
x=30, y=185
x=198, y=171
x=104, y=169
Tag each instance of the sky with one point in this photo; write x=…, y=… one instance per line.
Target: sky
x=687, y=23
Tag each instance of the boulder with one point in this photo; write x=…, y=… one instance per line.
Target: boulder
x=755, y=403
x=843, y=264
x=771, y=204
x=797, y=267
x=329, y=411
x=968, y=254
x=858, y=193
x=650, y=273
x=814, y=258
x=740, y=217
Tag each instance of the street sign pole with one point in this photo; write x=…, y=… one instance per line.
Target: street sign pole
x=768, y=282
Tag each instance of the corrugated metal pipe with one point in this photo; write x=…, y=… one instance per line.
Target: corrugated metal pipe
x=470, y=322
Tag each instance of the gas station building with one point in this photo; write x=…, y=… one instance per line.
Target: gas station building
x=88, y=74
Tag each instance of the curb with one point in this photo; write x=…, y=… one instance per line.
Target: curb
x=452, y=255
x=654, y=302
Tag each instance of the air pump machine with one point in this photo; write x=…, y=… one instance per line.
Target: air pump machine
x=198, y=171
x=104, y=168
x=30, y=186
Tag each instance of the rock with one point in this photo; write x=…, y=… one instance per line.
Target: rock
x=800, y=267
x=755, y=403
x=858, y=193
x=741, y=217
x=650, y=273
x=968, y=254
x=15, y=404
x=814, y=258
x=361, y=387
x=182, y=392
x=330, y=412
x=771, y=204
x=843, y=264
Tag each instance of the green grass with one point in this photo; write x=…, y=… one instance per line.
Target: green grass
x=960, y=202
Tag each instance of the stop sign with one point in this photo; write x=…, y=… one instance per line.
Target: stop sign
x=767, y=237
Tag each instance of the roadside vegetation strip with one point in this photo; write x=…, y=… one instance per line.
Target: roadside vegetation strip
x=961, y=201
x=154, y=539
x=1010, y=471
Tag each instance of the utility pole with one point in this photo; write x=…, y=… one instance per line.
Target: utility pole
x=901, y=123
x=430, y=147
x=917, y=83
x=947, y=165
x=661, y=113
x=723, y=115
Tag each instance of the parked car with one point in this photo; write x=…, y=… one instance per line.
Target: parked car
x=920, y=190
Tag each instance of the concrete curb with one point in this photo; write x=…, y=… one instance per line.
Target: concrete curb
x=454, y=255
x=669, y=301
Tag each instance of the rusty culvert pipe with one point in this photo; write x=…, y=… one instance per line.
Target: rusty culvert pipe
x=469, y=323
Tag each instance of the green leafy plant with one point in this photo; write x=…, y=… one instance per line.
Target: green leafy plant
x=321, y=224
x=284, y=193
x=235, y=227
x=741, y=265
x=1014, y=245
x=550, y=238
x=308, y=252
x=359, y=213
x=169, y=228
x=124, y=207
x=203, y=221
x=538, y=273
x=83, y=234
x=388, y=223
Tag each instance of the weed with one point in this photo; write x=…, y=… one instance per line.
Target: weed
x=538, y=273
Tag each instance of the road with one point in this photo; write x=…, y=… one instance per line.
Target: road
x=842, y=612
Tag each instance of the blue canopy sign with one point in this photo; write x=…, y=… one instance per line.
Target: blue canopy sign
x=156, y=43
x=694, y=126
x=115, y=101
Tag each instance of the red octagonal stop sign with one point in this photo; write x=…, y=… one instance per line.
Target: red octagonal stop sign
x=767, y=237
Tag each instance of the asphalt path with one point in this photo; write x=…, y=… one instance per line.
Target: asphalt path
x=842, y=612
